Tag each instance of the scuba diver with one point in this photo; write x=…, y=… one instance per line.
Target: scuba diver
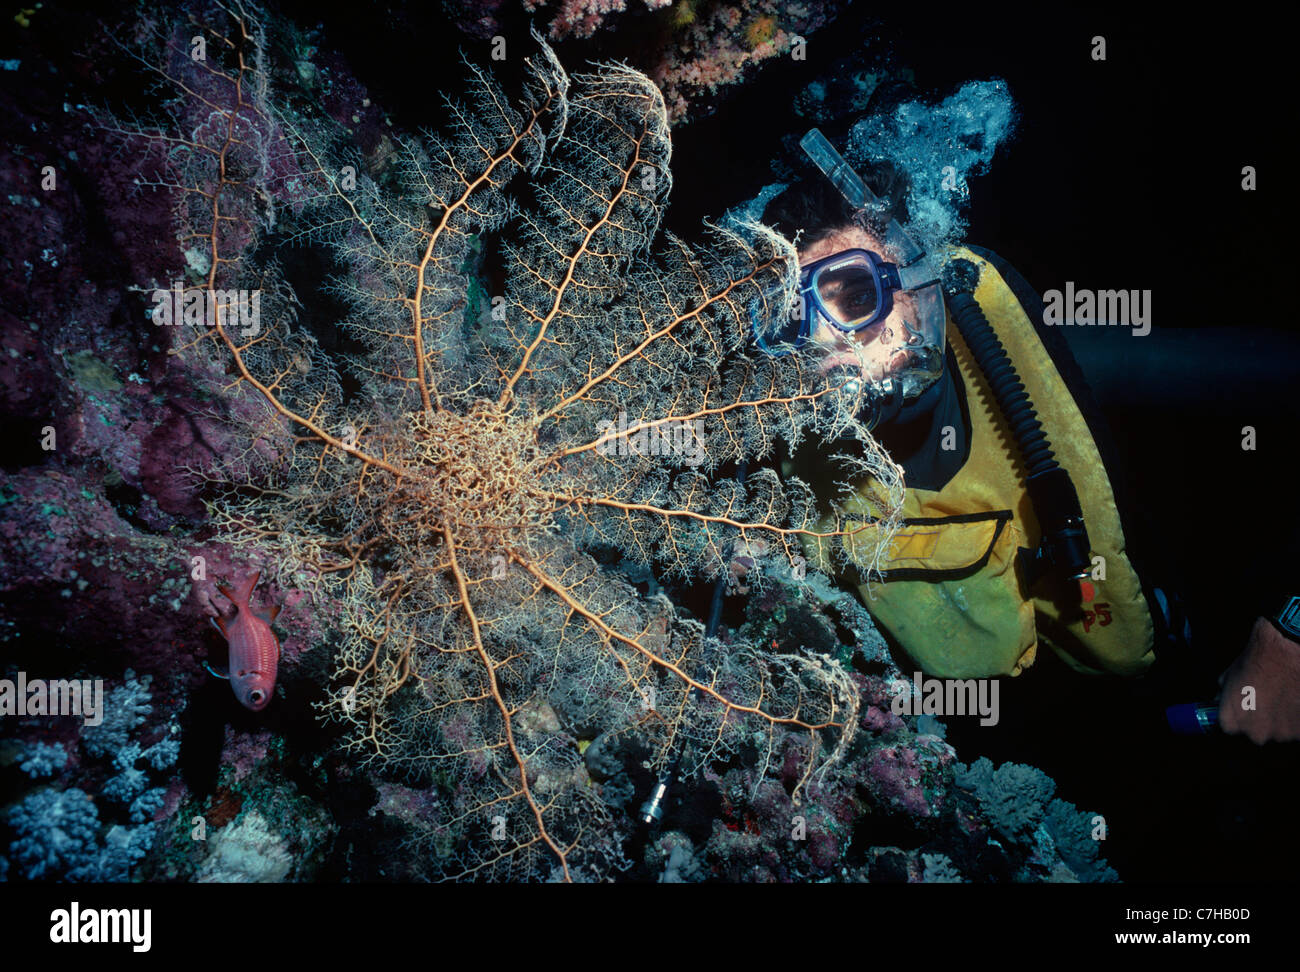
x=1011, y=536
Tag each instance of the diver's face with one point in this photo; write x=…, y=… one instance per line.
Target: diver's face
x=864, y=349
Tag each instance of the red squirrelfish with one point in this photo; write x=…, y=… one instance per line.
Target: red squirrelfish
x=254, y=649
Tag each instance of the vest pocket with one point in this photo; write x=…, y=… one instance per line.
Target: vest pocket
x=939, y=548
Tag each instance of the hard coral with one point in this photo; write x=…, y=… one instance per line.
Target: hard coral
x=1075, y=834
x=1014, y=795
x=42, y=759
x=939, y=869
x=125, y=709
x=58, y=839
x=57, y=834
x=246, y=852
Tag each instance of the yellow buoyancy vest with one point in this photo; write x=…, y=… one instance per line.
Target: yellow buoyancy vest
x=954, y=594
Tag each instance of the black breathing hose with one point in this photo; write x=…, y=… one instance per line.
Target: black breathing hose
x=1064, y=545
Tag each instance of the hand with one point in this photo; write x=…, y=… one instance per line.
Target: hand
x=1271, y=666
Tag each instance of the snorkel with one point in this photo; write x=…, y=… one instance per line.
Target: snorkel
x=917, y=358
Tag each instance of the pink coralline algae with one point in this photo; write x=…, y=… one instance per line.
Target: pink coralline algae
x=899, y=774
x=880, y=720
x=103, y=514
x=243, y=752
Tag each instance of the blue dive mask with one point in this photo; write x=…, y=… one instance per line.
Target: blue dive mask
x=856, y=291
